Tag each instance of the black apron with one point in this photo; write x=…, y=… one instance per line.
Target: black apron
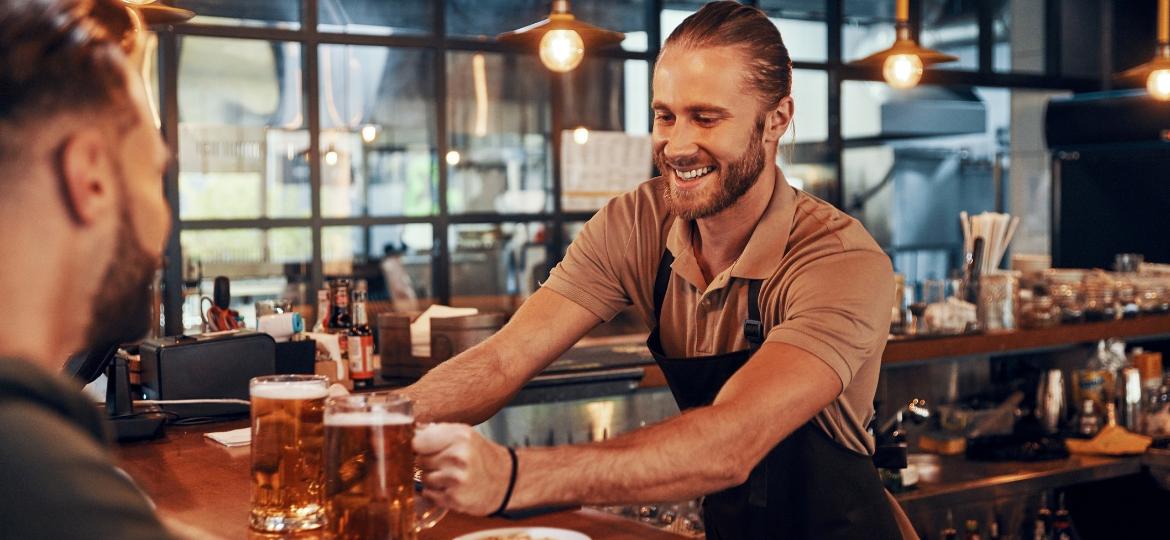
x=808, y=486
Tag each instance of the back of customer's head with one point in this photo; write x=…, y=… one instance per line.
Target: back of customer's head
x=78, y=151
x=57, y=58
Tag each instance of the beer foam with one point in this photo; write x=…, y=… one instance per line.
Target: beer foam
x=290, y=390
x=367, y=418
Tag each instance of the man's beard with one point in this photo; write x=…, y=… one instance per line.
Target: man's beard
x=121, y=310
x=734, y=181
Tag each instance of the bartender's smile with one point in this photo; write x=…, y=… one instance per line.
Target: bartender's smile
x=691, y=178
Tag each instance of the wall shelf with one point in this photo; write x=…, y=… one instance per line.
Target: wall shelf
x=915, y=349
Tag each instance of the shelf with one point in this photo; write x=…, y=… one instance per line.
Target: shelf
x=954, y=481
x=905, y=349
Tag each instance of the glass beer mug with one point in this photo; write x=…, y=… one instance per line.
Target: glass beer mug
x=370, y=491
x=287, y=434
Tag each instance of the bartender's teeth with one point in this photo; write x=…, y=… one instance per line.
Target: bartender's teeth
x=693, y=174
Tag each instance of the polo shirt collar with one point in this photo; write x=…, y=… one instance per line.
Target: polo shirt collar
x=765, y=248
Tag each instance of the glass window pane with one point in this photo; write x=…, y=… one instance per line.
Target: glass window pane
x=377, y=132
x=377, y=17
x=242, y=142
x=394, y=260
x=868, y=28
x=608, y=95
x=262, y=265
x=264, y=13
x=1019, y=37
x=494, y=267
x=810, y=92
x=489, y=18
x=607, y=151
x=953, y=28
x=932, y=152
x=498, y=121
x=802, y=26
x=673, y=13
x=625, y=16
x=804, y=171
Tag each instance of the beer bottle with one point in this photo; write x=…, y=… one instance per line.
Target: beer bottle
x=1042, y=525
x=324, y=312
x=341, y=321
x=973, y=530
x=361, y=343
x=950, y=533
x=1061, y=522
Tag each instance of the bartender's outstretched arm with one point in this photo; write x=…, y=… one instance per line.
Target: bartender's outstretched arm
x=474, y=385
x=702, y=451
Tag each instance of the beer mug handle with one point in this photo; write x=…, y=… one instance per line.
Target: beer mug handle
x=427, y=514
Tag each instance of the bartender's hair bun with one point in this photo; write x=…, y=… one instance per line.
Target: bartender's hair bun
x=731, y=24
x=58, y=56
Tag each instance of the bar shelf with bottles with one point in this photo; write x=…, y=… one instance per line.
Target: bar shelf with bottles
x=1029, y=310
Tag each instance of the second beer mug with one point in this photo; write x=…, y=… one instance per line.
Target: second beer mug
x=369, y=469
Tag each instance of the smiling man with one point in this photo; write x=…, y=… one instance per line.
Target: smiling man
x=769, y=311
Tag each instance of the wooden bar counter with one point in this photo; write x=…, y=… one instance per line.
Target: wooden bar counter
x=204, y=485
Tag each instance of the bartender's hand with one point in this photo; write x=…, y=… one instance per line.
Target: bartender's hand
x=462, y=471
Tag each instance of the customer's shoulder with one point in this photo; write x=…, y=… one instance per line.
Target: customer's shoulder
x=36, y=432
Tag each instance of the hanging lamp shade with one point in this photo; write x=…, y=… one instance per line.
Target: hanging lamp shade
x=156, y=14
x=1161, y=59
x=561, y=19
x=904, y=44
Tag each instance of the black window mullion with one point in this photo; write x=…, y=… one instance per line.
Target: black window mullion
x=441, y=250
x=1052, y=36
x=311, y=82
x=986, y=16
x=555, y=246
x=835, y=19
x=168, y=93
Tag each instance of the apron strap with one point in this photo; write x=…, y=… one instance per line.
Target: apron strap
x=753, y=327
x=661, y=281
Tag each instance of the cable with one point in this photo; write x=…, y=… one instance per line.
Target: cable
x=231, y=401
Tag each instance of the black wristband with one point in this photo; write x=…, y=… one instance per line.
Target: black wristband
x=511, y=484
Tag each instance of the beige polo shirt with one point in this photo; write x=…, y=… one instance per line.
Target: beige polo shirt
x=827, y=288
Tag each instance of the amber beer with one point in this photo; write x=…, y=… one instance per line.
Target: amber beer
x=287, y=434
x=369, y=469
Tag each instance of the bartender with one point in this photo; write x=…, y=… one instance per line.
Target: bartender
x=769, y=310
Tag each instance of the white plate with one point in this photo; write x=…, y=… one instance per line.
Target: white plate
x=537, y=533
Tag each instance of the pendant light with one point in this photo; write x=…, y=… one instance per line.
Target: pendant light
x=561, y=38
x=903, y=62
x=156, y=14
x=1156, y=71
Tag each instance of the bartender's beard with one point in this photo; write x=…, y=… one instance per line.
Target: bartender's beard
x=734, y=180
x=121, y=309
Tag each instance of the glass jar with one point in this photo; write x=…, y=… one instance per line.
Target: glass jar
x=1039, y=312
x=996, y=309
x=1097, y=290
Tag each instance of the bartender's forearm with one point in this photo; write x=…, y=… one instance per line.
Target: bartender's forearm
x=704, y=450
x=682, y=458
x=471, y=387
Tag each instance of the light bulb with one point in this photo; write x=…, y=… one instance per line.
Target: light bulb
x=581, y=135
x=902, y=70
x=561, y=50
x=452, y=158
x=331, y=157
x=1158, y=84
x=369, y=133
